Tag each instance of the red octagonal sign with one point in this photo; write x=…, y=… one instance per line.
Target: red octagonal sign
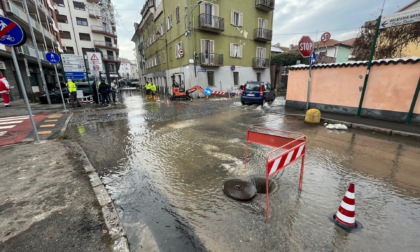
x=306, y=46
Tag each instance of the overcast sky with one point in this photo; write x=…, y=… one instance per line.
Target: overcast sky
x=292, y=19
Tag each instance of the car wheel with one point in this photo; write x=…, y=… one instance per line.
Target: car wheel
x=262, y=102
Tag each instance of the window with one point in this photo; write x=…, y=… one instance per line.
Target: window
x=78, y=5
x=236, y=18
x=69, y=49
x=62, y=19
x=59, y=3
x=65, y=35
x=81, y=21
x=84, y=36
x=179, y=50
x=261, y=53
x=169, y=22
x=235, y=50
x=177, y=14
x=207, y=51
x=235, y=78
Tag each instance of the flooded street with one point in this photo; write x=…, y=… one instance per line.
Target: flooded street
x=164, y=166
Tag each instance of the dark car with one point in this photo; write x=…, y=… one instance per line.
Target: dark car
x=257, y=92
x=55, y=95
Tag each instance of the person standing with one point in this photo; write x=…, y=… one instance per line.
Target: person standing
x=104, y=91
x=153, y=88
x=114, y=88
x=4, y=90
x=73, y=93
x=148, y=88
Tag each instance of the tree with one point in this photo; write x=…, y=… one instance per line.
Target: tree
x=391, y=41
x=288, y=59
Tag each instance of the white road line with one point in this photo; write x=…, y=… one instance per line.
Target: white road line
x=10, y=122
x=7, y=127
x=13, y=118
x=2, y=133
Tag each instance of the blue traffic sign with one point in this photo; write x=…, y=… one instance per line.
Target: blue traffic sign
x=11, y=34
x=52, y=57
x=75, y=75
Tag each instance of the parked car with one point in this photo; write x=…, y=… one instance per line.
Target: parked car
x=257, y=92
x=55, y=95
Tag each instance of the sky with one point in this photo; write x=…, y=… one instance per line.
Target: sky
x=292, y=19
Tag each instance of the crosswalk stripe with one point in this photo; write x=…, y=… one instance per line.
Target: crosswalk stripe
x=46, y=132
x=47, y=125
x=2, y=133
x=10, y=122
x=5, y=119
x=55, y=120
x=7, y=127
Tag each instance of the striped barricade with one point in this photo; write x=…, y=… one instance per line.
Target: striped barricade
x=288, y=148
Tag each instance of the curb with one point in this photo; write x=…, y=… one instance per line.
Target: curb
x=112, y=220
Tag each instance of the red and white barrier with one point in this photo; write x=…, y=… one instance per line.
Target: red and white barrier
x=218, y=92
x=289, y=147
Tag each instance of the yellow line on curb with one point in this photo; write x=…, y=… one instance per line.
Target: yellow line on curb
x=54, y=120
x=44, y=132
x=47, y=125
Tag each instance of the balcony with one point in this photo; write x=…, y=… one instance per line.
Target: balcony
x=93, y=1
x=265, y=5
x=103, y=30
x=260, y=63
x=30, y=51
x=94, y=13
x=262, y=34
x=211, y=23
x=211, y=59
x=111, y=58
x=105, y=44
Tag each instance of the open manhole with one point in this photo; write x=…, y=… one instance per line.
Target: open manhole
x=260, y=185
x=240, y=189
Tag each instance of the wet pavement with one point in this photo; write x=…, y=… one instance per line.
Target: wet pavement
x=164, y=166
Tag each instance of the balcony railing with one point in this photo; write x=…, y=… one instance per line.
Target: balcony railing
x=211, y=59
x=30, y=51
x=94, y=13
x=111, y=58
x=105, y=44
x=211, y=23
x=265, y=5
x=260, y=63
x=103, y=30
x=262, y=34
x=93, y=1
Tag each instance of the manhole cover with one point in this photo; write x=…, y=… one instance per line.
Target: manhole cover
x=239, y=189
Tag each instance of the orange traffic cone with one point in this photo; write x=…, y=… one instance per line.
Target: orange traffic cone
x=157, y=99
x=167, y=101
x=346, y=213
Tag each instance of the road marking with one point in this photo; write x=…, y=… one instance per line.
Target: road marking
x=10, y=122
x=7, y=127
x=46, y=132
x=54, y=120
x=47, y=125
x=14, y=118
x=2, y=133
x=55, y=116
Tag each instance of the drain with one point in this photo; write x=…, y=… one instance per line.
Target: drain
x=260, y=185
x=239, y=189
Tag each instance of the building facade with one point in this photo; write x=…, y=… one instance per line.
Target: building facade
x=42, y=17
x=128, y=69
x=216, y=44
x=89, y=26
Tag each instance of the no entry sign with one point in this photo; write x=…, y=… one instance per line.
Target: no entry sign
x=306, y=46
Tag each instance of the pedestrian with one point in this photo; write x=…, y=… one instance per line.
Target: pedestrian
x=71, y=86
x=104, y=91
x=148, y=88
x=4, y=90
x=114, y=88
x=153, y=88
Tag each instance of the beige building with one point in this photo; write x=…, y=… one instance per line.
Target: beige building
x=128, y=69
x=87, y=26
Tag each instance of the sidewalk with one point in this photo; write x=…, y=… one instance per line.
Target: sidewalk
x=385, y=127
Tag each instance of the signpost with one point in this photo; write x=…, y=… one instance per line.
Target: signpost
x=401, y=18
x=95, y=66
x=54, y=59
x=14, y=35
x=306, y=47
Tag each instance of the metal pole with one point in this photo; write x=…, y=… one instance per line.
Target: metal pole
x=309, y=85
x=25, y=97
x=36, y=52
x=413, y=103
x=61, y=91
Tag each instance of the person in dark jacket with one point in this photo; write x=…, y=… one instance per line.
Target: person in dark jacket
x=104, y=91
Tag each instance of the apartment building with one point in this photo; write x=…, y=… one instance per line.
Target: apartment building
x=216, y=44
x=128, y=69
x=89, y=26
x=42, y=17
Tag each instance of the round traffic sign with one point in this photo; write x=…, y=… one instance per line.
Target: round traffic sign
x=52, y=57
x=306, y=46
x=325, y=36
x=181, y=52
x=96, y=67
x=11, y=34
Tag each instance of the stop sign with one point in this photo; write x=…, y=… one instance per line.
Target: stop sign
x=306, y=46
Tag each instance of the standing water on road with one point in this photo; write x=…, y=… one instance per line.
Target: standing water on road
x=164, y=165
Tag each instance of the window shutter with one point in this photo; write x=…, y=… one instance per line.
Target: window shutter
x=203, y=46
x=240, y=50
x=232, y=17
x=241, y=18
x=216, y=10
x=232, y=47
x=263, y=53
x=211, y=46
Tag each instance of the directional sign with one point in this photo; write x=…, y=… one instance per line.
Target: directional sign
x=52, y=57
x=306, y=46
x=400, y=18
x=74, y=68
x=75, y=75
x=11, y=33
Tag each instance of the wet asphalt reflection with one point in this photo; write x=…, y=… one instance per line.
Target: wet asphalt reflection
x=164, y=165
